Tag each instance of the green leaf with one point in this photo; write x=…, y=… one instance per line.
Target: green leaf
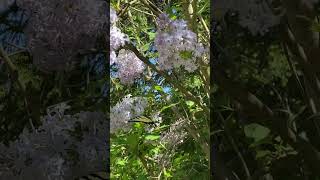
x=158, y=88
x=167, y=107
x=315, y=27
x=262, y=153
x=190, y=103
x=151, y=35
x=204, y=7
x=133, y=140
x=166, y=173
x=145, y=47
x=256, y=131
x=186, y=55
x=278, y=139
x=152, y=137
x=121, y=162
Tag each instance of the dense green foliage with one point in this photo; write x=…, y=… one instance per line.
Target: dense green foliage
x=145, y=151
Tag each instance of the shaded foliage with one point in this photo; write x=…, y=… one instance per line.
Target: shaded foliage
x=265, y=73
x=53, y=124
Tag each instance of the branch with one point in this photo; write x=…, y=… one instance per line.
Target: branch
x=145, y=165
x=152, y=7
x=235, y=147
x=174, y=83
x=15, y=75
x=194, y=132
x=304, y=44
x=190, y=10
x=205, y=25
x=12, y=68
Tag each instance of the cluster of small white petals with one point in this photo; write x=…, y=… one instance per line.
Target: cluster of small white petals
x=172, y=139
x=130, y=66
x=130, y=107
x=117, y=38
x=175, y=135
x=113, y=57
x=113, y=16
x=156, y=117
x=177, y=45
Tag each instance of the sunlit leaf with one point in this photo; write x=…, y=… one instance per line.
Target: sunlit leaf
x=256, y=131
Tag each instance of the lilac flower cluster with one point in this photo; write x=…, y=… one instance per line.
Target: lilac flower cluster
x=129, y=65
x=129, y=107
x=45, y=154
x=117, y=38
x=177, y=45
x=58, y=29
x=176, y=134
x=172, y=138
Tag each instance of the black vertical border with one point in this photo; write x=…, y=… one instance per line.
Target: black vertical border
x=108, y=89
x=212, y=164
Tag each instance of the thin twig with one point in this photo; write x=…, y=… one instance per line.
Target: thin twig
x=235, y=147
x=12, y=68
x=205, y=25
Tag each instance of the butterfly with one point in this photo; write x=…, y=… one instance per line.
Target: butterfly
x=142, y=119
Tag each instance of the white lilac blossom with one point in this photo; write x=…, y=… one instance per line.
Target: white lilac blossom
x=175, y=135
x=117, y=38
x=113, y=16
x=130, y=66
x=129, y=107
x=177, y=45
x=156, y=118
x=172, y=139
x=113, y=57
x=45, y=154
x=58, y=29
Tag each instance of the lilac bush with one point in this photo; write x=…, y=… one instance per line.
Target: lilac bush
x=59, y=29
x=45, y=154
x=177, y=45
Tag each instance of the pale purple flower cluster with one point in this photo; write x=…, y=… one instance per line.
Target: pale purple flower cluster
x=176, y=134
x=177, y=45
x=172, y=138
x=117, y=38
x=113, y=16
x=58, y=29
x=130, y=66
x=129, y=107
x=45, y=154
